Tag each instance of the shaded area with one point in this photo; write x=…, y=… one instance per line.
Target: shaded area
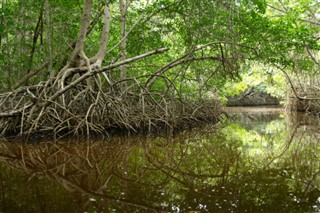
x=271, y=168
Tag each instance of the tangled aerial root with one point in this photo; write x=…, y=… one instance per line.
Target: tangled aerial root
x=92, y=109
x=306, y=100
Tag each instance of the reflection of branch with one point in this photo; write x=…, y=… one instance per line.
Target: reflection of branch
x=285, y=148
x=77, y=168
x=171, y=176
x=194, y=175
x=63, y=180
x=309, y=183
x=174, y=172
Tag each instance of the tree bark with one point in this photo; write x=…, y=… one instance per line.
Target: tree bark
x=7, y=49
x=48, y=40
x=99, y=57
x=36, y=33
x=3, y=5
x=123, y=56
x=78, y=52
x=49, y=62
x=96, y=71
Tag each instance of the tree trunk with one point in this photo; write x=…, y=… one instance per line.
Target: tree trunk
x=3, y=4
x=36, y=33
x=48, y=40
x=78, y=52
x=5, y=36
x=123, y=69
x=99, y=57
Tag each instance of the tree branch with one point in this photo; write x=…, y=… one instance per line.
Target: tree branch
x=96, y=71
x=179, y=61
x=292, y=86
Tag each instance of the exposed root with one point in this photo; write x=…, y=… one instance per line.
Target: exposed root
x=310, y=104
x=97, y=109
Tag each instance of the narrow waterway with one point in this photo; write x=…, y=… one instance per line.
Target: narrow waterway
x=258, y=160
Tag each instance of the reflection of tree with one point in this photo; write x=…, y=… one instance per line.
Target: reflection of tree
x=85, y=168
x=193, y=171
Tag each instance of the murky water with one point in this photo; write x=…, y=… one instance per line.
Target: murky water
x=260, y=161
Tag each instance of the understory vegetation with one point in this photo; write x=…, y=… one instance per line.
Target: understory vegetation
x=90, y=67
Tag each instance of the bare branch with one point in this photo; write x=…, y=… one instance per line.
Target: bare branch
x=292, y=86
x=181, y=61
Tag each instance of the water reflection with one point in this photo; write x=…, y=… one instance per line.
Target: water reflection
x=270, y=167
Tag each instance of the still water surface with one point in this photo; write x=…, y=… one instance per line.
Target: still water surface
x=259, y=161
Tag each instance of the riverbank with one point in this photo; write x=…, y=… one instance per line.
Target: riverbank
x=92, y=114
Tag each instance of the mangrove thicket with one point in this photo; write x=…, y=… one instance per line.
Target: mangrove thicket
x=82, y=67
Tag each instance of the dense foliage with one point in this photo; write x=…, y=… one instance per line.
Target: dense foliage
x=38, y=37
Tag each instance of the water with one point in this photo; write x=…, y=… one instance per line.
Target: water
x=259, y=161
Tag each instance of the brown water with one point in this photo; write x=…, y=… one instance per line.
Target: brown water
x=259, y=161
